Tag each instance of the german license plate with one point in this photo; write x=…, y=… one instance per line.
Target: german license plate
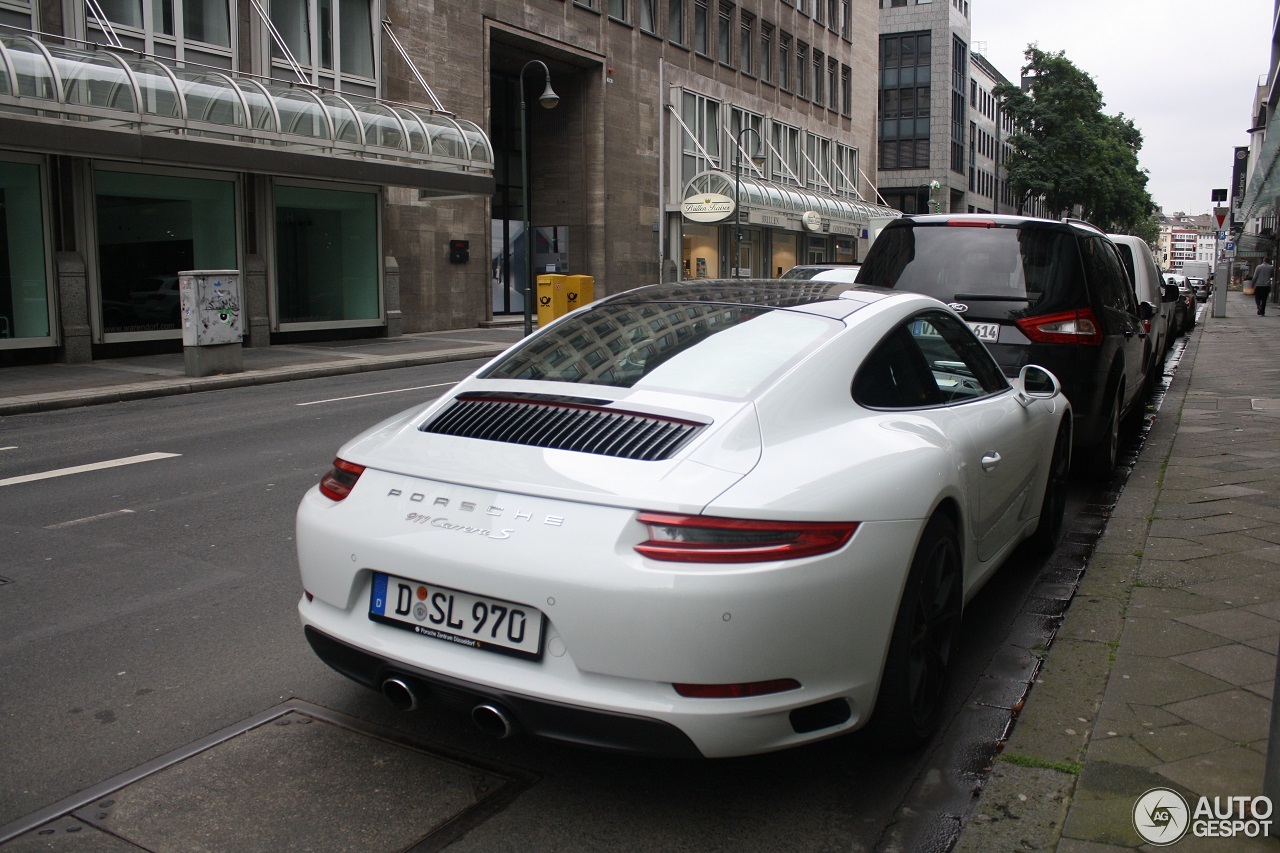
x=986, y=332
x=489, y=624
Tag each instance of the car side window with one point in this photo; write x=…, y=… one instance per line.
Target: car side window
x=933, y=360
x=896, y=375
x=1108, y=276
x=961, y=366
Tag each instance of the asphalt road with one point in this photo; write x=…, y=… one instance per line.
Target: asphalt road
x=151, y=603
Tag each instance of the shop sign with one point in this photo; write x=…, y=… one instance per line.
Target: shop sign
x=707, y=207
x=774, y=220
x=812, y=220
x=843, y=228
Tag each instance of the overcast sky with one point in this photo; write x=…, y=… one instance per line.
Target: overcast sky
x=1185, y=71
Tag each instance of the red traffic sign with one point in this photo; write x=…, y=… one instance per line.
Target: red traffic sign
x=1220, y=214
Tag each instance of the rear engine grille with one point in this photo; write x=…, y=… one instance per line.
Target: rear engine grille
x=562, y=425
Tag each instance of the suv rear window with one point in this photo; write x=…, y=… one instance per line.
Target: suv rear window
x=999, y=271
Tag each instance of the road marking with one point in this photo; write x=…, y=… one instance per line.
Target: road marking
x=377, y=394
x=88, y=519
x=80, y=469
x=12, y=447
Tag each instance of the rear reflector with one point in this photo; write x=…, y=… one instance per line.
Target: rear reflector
x=1065, y=327
x=736, y=691
x=340, y=480
x=701, y=539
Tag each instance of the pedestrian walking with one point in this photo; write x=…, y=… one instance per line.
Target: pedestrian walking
x=1262, y=275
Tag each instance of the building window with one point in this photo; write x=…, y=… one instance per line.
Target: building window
x=784, y=61
x=149, y=228
x=817, y=167
x=959, y=73
x=312, y=29
x=784, y=154
x=24, y=278
x=648, y=11
x=905, y=60
x=700, y=13
x=846, y=176
x=675, y=21
x=747, y=43
x=846, y=19
x=833, y=91
x=701, y=116
x=819, y=75
x=817, y=10
x=201, y=27
x=326, y=255
x=766, y=52
x=846, y=91
x=802, y=68
x=752, y=143
x=618, y=10
x=724, y=35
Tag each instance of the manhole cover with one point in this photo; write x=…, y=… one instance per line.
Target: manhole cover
x=296, y=778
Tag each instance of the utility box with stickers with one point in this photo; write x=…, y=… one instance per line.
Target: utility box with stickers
x=212, y=321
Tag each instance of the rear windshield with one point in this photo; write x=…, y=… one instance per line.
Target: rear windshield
x=1002, y=272
x=708, y=348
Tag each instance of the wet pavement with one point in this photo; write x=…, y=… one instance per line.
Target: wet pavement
x=1157, y=688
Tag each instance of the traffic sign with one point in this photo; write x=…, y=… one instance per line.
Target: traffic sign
x=1231, y=247
x=1220, y=214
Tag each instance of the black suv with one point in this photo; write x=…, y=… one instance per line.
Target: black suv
x=1035, y=291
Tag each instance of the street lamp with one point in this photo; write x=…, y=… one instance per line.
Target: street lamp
x=548, y=99
x=737, y=192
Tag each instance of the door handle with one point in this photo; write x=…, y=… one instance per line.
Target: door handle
x=990, y=460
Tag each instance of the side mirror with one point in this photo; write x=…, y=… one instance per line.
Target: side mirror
x=1036, y=383
x=1146, y=311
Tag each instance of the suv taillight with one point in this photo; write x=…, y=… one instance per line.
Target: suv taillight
x=702, y=539
x=1065, y=327
x=340, y=480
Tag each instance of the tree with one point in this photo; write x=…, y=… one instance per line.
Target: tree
x=1068, y=152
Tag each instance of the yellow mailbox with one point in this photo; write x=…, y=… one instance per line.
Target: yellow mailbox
x=578, y=291
x=550, y=298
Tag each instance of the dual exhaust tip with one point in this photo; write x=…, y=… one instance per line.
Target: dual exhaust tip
x=490, y=718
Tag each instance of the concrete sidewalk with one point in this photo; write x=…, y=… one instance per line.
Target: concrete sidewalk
x=60, y=386
x=1162, y=673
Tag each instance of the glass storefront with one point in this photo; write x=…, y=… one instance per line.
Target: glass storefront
x=326, y=255
x=24, y=287
x=701, y=251
x=150, y=227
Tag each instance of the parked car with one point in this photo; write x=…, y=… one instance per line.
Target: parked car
x=1150, y=289
x=823, y=272
x=1187, y=298
x=1035, y=291
x=1199, y=287
x=712, y=518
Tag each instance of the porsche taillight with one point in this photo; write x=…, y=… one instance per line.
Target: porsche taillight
x=703, y=539
x=340, y=480
x=1065, y=327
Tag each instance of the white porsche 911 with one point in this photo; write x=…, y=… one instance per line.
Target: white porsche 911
x=711, y=518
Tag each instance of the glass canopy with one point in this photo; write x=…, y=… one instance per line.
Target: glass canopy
x=108, y=89
x=779, y=198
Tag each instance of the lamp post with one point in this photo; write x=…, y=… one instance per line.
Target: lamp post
x=548, y=99
x=737, y=193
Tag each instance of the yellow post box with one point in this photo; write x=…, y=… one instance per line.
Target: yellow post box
x=550, y=298
x=578, y=291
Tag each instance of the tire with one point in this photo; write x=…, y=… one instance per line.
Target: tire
x=1101, y=459
x=1053, y=506
x=913, y=686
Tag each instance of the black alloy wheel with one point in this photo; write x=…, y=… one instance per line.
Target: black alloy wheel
x=913, y=688
x=1053, y=508
x=1104, y=455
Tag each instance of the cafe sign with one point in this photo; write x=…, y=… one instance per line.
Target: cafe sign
x=707, y=207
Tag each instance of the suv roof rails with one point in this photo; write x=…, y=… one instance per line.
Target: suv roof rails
x=1071, y=220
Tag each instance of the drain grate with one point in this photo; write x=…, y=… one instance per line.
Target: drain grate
x=297, y=777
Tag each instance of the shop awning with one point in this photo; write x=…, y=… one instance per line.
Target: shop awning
x=1264, y=182
x=782, y=206
x=116, y=104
